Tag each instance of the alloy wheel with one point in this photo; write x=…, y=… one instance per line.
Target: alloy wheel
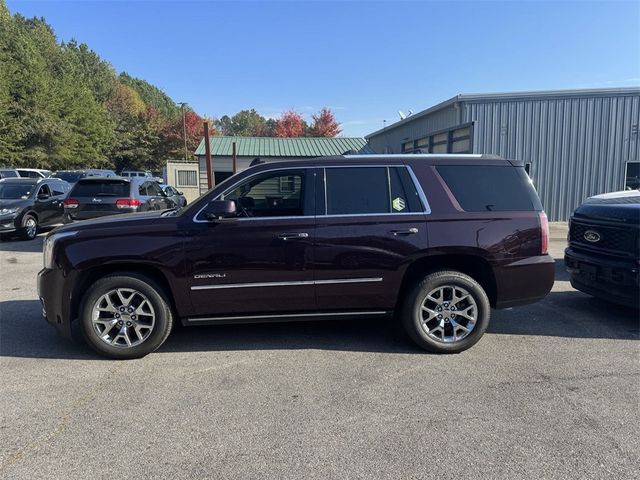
x=449, y=314
x=123, y=317
x=31, y=227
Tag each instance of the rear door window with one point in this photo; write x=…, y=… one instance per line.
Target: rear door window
x=370, y=190
x=100, y=188
x=481, y=188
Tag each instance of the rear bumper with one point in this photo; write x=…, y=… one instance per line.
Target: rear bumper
x=525, y=281
x=55, y=294
x=70, y=216
x=614, y=280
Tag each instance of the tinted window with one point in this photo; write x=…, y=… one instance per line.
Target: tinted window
x=404, y=197
x=44, y=190
x=352, y=190
x=58, y=188
x=270, y=195
x=8, y=173
x=98, y=188
x=485, y=188
x=154, y=189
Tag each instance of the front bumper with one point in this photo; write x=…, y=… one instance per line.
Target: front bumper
x=55, y=295
x=9, y=224
x=611, y=279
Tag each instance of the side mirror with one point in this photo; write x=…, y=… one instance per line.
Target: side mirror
x=43, y=196
x=218, y=210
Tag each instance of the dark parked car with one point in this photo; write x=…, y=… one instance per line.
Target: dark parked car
x=72, y=176
x=26, y=204
x=93, y=197
x=434, y=240
x=177, y=197
x=8, y=173
x=603, y=255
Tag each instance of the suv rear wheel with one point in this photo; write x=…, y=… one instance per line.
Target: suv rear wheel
x=446, y=312
x=125, y=316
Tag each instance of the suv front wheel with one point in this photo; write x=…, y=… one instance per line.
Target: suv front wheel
x=446, y=312
x=125, y=316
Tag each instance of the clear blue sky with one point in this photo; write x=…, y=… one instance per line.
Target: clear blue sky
x=366, y=60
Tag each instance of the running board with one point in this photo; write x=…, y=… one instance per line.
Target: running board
x=285, y=317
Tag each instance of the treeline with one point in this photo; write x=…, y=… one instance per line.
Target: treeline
x=63, y=107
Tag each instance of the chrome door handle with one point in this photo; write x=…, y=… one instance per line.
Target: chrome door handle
x=408, y=231
x=292, y=236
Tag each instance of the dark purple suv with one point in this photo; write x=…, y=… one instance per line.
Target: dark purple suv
x=434, y=241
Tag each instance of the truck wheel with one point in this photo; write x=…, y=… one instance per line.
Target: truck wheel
x=446, y=312
x=29, y=227
x=125, y=315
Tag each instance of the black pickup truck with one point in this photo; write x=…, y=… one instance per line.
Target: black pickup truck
x=603, y=256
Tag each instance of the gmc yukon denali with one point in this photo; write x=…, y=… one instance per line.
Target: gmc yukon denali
x=603, y=256
x=432, y=241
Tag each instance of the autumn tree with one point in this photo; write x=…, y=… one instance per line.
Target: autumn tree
x=290, y=124
x=324, y=124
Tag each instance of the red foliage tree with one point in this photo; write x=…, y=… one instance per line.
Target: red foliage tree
x=290, y=124
x=173, y=133
x=324, y=124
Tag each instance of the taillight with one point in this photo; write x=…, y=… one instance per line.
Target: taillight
x=544, y=233
x=70, y=203
x=127, y=202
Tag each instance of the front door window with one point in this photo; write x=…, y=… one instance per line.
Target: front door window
x=270, y=195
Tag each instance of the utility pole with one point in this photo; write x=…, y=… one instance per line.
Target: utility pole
x=184, y=130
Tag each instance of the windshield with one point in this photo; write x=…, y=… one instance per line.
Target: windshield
x=15, y=192
x=70, y=177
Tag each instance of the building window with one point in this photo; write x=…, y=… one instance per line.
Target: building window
x=186, y=178
x=288, y=184
x=457, y=140
x=407, y=146
x=632, y=176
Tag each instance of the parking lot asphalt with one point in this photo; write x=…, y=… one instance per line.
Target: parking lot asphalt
x=551, y=391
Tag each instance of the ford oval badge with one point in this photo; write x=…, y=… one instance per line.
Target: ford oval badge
x=592, y=236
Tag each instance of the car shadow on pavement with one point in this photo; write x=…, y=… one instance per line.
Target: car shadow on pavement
x=571, y=314
x=12, y=244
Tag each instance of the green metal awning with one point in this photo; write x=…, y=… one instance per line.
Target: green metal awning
x=284, y=147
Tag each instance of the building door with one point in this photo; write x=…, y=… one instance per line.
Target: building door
x=261, y=261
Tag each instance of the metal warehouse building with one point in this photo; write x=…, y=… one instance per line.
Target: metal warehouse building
x=575, y=143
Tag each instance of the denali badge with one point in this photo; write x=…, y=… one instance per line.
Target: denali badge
x=592, y=236
x=210, y=275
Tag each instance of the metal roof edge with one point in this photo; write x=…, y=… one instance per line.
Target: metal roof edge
x=470, y=97
x=421, y=113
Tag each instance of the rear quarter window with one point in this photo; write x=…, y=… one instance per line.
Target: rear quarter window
x=96, y=189
x=481, y=188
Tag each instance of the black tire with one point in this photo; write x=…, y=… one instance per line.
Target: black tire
x=156, y=297
x=412, y=313
x=29, y=232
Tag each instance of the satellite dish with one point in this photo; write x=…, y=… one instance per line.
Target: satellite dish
x=410, y=113
x=402, y=115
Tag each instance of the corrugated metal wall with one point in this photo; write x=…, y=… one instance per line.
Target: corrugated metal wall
x=577, y=146
x=393, y=138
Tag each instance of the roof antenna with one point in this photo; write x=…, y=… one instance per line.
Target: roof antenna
x=256, y=161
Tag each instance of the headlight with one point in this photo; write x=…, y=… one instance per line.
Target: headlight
x=49, y=243
x=9, y=211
